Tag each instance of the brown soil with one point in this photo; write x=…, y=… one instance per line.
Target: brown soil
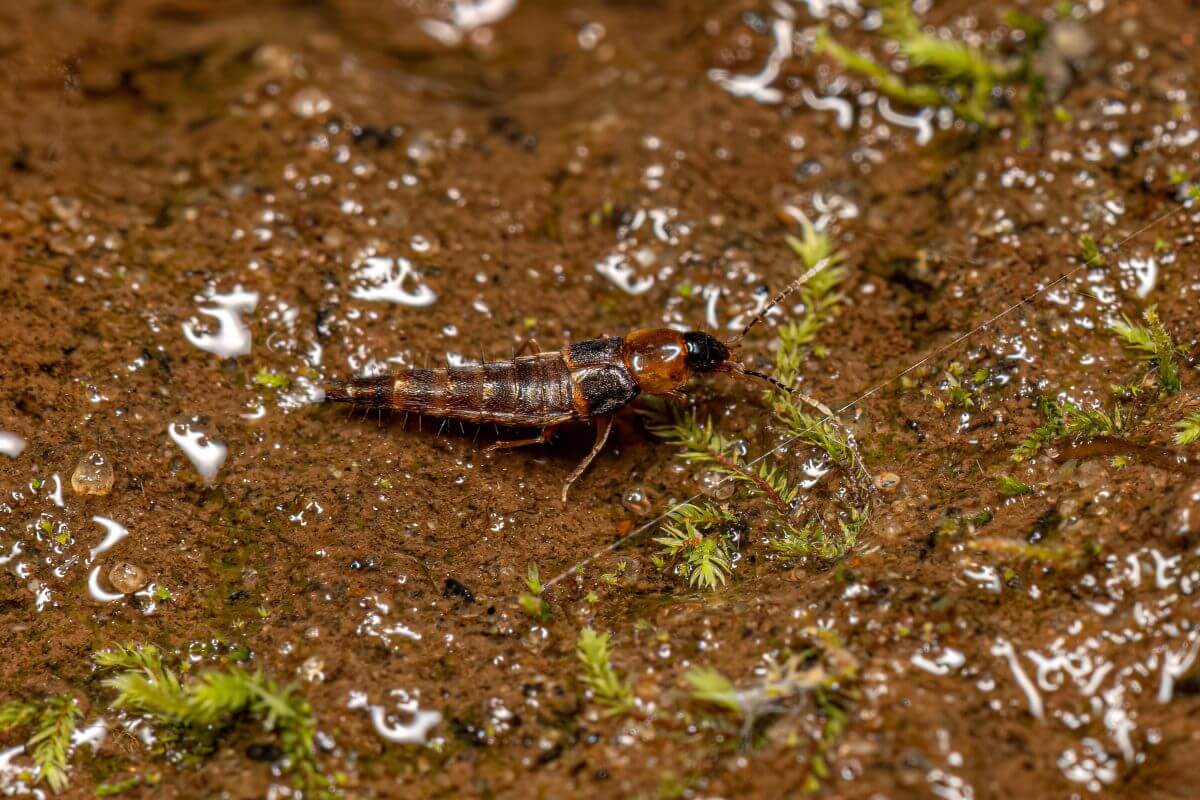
x=156, y=150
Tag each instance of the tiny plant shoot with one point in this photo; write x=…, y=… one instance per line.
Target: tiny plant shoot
x=50, y=722
x=595, y=655
x=531, y=601
x=188, y=717
x=1187, y=430
x=1152, y=344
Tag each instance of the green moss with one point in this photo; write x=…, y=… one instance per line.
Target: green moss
x=531, y=601
x=689, y=539
x=190, y=716
x=1188, y=430
x=1090, y=251
x=943, y=72
x=51, y=721
x=594, y=652
x=1153, y=344
x=271, y=380
x=1011, y=487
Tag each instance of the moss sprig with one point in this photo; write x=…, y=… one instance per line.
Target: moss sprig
x=51, y=721
x=594, y=651
x=943, y=72
x=815, y=540
x=1152, y=343
x=1050, y=429
x=701, y=443
x=191, y=716
x=692, y=538
x=532, y=601
x=1187, y=430
x=826, y=672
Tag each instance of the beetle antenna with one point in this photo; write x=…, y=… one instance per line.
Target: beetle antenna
x=734, y=368
x=791, y=287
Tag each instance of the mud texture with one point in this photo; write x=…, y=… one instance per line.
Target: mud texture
x=158, y=155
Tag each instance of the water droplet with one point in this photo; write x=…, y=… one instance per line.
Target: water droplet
x=313, y=669
x=93, y=475
x=635, y=501
x=887, y=482
x=127, y=578
x=716, y=485
x=310, y=102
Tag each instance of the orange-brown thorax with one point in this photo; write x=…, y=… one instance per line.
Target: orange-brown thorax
x=657, y=359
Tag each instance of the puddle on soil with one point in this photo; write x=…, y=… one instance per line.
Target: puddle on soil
x=591, y=195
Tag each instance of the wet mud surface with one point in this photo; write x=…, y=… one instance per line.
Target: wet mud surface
x=209, y=208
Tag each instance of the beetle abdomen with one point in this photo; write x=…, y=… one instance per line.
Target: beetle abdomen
x=531, y=390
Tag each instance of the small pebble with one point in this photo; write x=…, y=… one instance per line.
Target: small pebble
x=887, y=482
x=93, y=475
x=127, y=578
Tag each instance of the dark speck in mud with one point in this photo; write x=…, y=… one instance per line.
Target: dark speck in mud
x=1046, y=524
x=369, y=135
x=264, y=752
x=1189, y=686
x=468, y=733
x=549, y=756
x=454, y=589
x=931, y=540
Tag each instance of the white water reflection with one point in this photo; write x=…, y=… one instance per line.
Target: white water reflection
x=390, y=280
x=113, y=533
x=233, y=337
x=390, y=725
x=11, y=444
x=207, y=455
x=97, y=591
x=758, y=87
x=465, y=17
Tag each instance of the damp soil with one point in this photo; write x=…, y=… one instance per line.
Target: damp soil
x=158, y=156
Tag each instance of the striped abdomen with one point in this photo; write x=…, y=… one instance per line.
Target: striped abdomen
x=583, y=380
x=533, y=390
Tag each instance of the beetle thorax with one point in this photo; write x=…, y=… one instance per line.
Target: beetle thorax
x=657, y=359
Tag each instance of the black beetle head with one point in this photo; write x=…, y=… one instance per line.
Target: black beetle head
x=704, y=352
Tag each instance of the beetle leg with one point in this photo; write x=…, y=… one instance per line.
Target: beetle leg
x=506, y=444
x=603, y=426
x=530, y=346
